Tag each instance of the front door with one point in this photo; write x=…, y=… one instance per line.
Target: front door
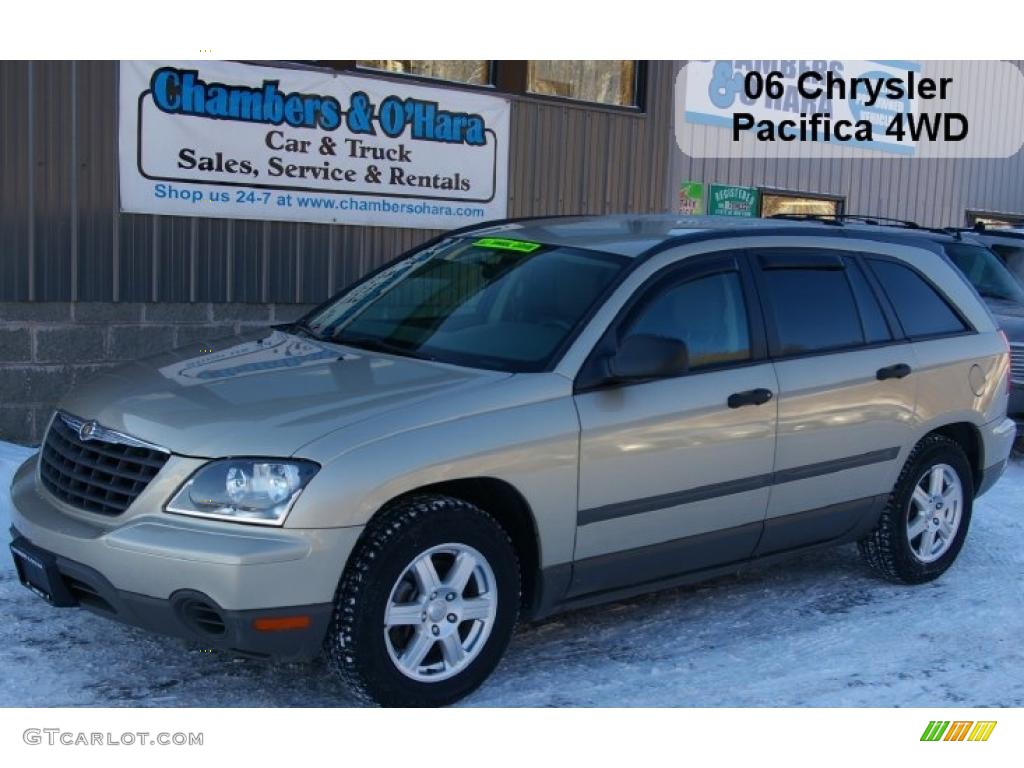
x=675, y=473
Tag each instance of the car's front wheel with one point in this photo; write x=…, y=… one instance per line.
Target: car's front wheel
x=427, y=604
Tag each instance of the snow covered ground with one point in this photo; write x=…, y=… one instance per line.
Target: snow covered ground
x=815, y=631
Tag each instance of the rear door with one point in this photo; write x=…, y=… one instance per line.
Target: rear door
x=945, y=343
x=847, y=389
x=674, y=476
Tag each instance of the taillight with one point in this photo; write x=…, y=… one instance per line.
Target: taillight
x=1006, y=350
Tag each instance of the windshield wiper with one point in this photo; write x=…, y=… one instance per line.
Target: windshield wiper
x=376, y=344
x=300, y=328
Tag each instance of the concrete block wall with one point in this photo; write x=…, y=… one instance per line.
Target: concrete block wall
x=46, y=348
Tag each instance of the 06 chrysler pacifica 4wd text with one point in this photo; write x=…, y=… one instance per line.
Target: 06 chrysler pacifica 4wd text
x=520, y=418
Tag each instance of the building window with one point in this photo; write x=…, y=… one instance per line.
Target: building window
x=995, y=220
x=775, y=203
x=459, y=71
x=603, y=82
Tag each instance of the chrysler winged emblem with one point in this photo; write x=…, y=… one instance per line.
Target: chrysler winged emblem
x=87, y=430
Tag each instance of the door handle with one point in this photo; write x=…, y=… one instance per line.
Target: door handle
x=897, y=371
x=749, y=397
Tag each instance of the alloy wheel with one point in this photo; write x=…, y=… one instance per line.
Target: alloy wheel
x=440, y=612
x=936, y=508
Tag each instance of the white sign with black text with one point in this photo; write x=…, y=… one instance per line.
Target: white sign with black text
x=231, y=140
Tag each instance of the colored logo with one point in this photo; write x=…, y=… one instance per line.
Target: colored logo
x=726, y=200
x=958, y=730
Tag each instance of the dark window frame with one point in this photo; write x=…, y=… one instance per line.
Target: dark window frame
x=875, y=290
x=590, y=374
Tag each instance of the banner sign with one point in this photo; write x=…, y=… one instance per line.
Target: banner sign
x=716, y=91
x=733, y=201
x=691, y=198
x=242, y=141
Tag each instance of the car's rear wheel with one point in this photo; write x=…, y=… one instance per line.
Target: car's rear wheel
x=427, y=605
x=924, y=524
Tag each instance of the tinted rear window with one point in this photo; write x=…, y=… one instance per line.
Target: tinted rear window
x=919, y=307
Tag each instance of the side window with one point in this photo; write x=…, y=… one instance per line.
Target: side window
x=983, y=269
x=920, y=309
x=707, y=313
x=813, y=308
x=872, y=320
x=1013, y=258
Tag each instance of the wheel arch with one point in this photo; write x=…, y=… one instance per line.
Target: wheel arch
x=968, y=437
x=506, y=504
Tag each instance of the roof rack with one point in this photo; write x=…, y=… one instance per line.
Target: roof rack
x=820, y=218
x=878, y=220
x=957, y=233
x=840, y=218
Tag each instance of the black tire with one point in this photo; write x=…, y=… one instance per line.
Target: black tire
x=355, y=645
x=887, y=549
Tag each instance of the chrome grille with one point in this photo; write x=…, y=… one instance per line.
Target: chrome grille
x=1017, y=362
x=96, y=469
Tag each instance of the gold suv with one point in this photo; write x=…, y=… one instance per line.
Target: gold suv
x=522, y=418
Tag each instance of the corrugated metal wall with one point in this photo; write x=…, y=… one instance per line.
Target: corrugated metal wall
x=62, y=237
x=931, y=192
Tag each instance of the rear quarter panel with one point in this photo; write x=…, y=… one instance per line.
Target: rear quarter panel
x=948, y=391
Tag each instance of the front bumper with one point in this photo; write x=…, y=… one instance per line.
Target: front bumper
x=187, y=614
x=150, y=569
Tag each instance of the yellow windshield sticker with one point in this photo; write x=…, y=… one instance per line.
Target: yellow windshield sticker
x=503, y=244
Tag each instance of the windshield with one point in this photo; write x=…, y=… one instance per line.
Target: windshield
x=986, y=273
x=490, y=303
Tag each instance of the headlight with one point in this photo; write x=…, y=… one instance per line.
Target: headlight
x=257, y=491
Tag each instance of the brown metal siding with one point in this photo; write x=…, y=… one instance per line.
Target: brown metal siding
x=16, y=210
x=931, y=192
x=63, y=238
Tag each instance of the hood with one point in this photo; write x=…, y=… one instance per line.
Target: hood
x=262, y=395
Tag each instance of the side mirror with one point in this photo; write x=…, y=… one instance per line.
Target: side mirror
x=648, y=357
